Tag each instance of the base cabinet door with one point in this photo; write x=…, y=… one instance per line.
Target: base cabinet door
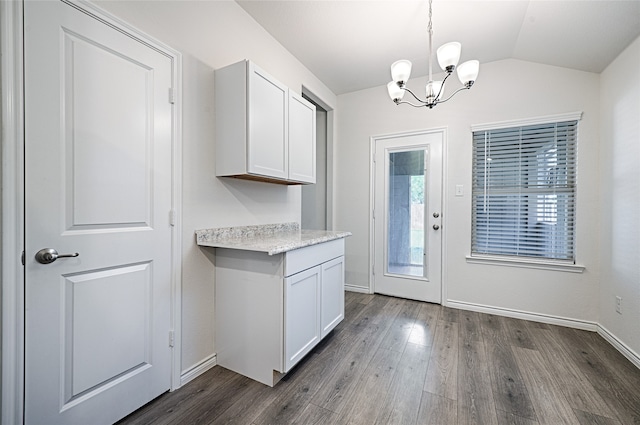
x=332, y=295
x=302, y=314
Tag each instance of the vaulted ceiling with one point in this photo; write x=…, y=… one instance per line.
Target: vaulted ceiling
x=350, y=44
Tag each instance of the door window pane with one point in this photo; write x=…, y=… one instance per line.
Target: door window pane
x=405, y=226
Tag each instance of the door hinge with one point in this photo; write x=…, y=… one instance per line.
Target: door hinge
x=374, y=214
x=172, y=338
x=22, y=258
x=172, y=217
x=172, y=95
x=373, y=270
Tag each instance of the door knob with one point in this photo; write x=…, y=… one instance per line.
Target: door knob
x=436, y=215
x=49, y=255
x=436, y=227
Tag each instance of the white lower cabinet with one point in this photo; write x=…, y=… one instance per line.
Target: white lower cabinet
x=331, y=295
x=301, y=314
x=272, y=310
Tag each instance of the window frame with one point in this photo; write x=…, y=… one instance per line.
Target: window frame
x=527, y=261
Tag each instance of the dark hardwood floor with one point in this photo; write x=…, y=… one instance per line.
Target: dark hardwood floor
x=395, y=361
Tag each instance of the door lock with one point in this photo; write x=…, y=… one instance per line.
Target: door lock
x=436, y=215
x=436, y=227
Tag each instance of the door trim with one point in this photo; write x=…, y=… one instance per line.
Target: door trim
x=11, y=22
x=330, y=151
x=12, y=213
x=372, y=171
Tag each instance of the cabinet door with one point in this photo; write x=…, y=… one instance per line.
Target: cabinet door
x=302, y=139
x=267, y=125
x=332, y=295
x=302, y=314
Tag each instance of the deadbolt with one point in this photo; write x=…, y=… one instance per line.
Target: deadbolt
x=436, y=227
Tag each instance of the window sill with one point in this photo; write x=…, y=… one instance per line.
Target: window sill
x=530, y=264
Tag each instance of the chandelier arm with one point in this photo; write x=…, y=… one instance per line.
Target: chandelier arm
x=442, y=88
x=409, y=103
x=454, y=93
x=414, y=96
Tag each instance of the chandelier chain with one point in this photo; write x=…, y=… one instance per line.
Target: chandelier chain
x=430, y=29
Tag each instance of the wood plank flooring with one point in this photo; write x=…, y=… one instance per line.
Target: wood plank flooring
x=395, y=361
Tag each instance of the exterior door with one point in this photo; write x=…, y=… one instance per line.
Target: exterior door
x=98, y=129
x=407, y=216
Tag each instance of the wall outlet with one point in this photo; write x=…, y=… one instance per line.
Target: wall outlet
x=619, y=305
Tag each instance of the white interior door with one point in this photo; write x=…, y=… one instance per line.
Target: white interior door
x=97, y=183
x=408, y=215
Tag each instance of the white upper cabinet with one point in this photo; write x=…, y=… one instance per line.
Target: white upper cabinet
x=264, y=131
x=302, y=139
x=267, y=117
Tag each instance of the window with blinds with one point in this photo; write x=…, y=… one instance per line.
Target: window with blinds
x=524, y=191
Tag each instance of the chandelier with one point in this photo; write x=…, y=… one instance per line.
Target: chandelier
x=448, y=57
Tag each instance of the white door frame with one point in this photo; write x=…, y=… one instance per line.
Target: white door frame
x=12, y=181
x=330, y=151
x=372, y=174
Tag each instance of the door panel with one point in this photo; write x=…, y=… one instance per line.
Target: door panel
x=407, y=215
x=97, y=182
x=98, y=147
x=117, y=303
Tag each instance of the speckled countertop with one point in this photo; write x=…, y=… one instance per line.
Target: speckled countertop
x=270, y=238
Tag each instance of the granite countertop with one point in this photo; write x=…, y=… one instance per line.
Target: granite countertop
x=270, y=238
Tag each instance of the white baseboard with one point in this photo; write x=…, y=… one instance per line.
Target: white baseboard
x=518, y=314
x=198, y=369
x=633, y=357
x=361, y=289
x=553, y=320
x=619, y=345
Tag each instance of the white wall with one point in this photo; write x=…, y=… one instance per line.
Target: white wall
x=620, y=196
x=212, y=34
x=505, y=90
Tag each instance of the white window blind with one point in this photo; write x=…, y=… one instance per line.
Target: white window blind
x=524, y=191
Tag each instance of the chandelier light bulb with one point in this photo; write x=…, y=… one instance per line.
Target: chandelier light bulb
x=395, y=92
x=449, y=55
x=432, y=90
x=468, y=72
x=400, y=71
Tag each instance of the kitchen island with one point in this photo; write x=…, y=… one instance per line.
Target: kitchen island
x=279, y=291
